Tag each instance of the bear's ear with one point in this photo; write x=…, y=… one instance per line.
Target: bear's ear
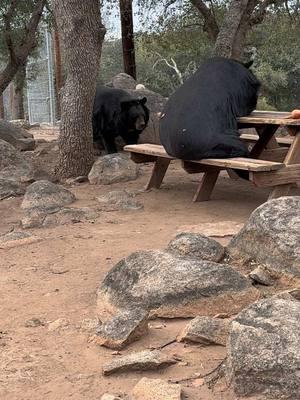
x=143, y=101
x=248, y=64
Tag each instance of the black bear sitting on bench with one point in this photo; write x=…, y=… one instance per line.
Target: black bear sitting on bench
x=200, y=118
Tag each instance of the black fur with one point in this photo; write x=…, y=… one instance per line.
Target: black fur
x=200, y=118
x=117, y=113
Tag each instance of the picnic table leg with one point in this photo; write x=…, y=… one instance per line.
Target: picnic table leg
x=159, y=170
x=292, y=157
x=206, y=186
x=266, y=140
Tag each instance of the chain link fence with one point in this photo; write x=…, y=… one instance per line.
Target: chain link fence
x=39, y=93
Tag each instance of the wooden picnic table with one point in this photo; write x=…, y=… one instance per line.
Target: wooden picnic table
x=273, y=162
x=268, y=147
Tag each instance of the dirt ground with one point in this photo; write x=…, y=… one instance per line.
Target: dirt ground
x=57, y=277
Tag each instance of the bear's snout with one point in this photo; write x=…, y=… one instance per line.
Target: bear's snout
x=140, y=123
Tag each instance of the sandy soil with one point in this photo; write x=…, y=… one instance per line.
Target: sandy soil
x=57, y=278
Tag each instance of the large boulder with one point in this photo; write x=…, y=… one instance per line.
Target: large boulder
x=10, y=188
x=13, y=165
x=44, y=159
x=119, y=200
x=113, y=168
x=123, y=81
x=170, y=286
x=46, y=197
x=271, y=236
x=16, y=136
x=196, y=245
x=43, y=199
x=263, y=349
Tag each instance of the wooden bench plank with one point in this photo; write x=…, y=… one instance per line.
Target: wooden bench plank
x=287, y=175
x=282, y=141
x=247, y=164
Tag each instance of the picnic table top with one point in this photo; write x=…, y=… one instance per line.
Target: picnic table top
x=269, y=118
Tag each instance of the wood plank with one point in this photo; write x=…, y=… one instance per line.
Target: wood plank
x=156, y=150
x=233, y=163
x=206, y=187
x=142, y=158
x=286, y=175
x=194, y=168
x=248, y=164
x=277, y=155
x=292, y=158
x=158, y=173
x=265, y=134
x=282, y=141
x=269, y=118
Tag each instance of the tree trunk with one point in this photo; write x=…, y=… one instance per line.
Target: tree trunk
x=127, y=37
x=81, y=33
x=231, y=38
x=18, y=54
x=1, y=107
x=11, y=100
x=18, y=99
x=58, y=72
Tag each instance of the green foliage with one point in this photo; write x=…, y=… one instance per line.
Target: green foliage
x=278, y=59
x=20, y=19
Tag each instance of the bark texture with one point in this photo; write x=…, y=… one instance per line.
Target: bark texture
x=241, y=15
x=81, y=33
x=18, y=98
x=58, y=71
x=128, y=37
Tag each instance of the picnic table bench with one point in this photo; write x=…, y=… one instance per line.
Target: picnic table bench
x=273, y=162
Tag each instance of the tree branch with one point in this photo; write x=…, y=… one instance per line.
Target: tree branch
x=18, y=54
x=259, y=15
x=172, y=66
x=210, y=23
x=7, y=28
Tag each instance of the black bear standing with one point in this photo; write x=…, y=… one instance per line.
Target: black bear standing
x=200, y=118
x=117, y=113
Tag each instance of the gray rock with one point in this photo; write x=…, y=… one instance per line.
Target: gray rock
x=123, y=329
x=113, y=168
x=156, y=389
x=69, y=215
x=36, y=218
x=263, y=349
x=155, y=103
x=170, y=286
x=196, y=245
x=13, y=165
x=119, y=200
x=123, y=81
x=77, y=180
x=262, y=276
x=34, y=323
x=206, y=331
x=10, y=188
x=46, y=197
x=44, y=159
x=271, y=236
x=12, y=236
x=16, y=136
x=23, y=124
x=141, y=361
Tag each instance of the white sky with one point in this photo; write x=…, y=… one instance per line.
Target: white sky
x=112, y=20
